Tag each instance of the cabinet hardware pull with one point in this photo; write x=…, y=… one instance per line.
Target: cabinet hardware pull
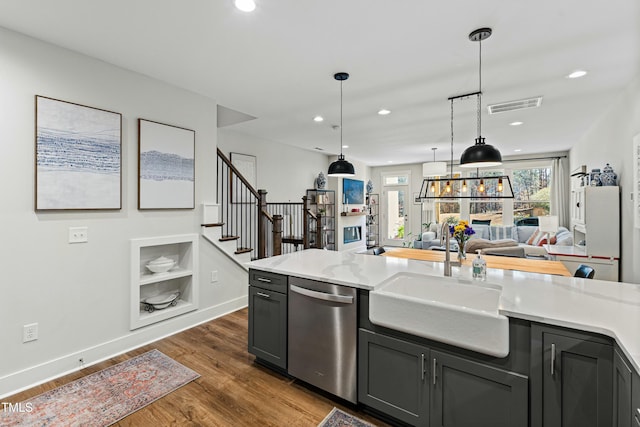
x=260, y=294
x=422, y=362
x=342, y=299
x=262, y=279
x=435, y=376
x=553, y=359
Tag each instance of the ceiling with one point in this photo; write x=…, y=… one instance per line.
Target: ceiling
x=409, y=56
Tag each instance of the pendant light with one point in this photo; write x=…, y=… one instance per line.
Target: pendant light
x=434, y=168
x=481, y=154
x=341, y=167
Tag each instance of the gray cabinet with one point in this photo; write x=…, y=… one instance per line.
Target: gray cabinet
x=268, y=317
x=573, y=372
x=468, y=393
x=622, y=377
x=393, y=377
x=635, y=399
x=425, y=387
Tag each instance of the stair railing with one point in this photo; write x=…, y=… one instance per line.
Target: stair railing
x=243, y=211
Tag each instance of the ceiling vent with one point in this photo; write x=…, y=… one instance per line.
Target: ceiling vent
x=520, y=104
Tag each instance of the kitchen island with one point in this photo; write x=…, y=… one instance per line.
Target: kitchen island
x=603, y=320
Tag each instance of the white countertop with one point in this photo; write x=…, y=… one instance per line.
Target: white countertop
x=608, y=308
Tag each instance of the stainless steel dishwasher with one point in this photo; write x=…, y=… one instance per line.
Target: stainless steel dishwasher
x=322, y=329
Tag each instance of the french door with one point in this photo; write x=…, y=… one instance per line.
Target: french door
x=396, y=204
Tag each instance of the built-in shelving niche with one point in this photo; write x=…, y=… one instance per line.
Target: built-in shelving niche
x=183, y=249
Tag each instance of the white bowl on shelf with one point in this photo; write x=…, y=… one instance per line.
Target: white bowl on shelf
x=161, y=265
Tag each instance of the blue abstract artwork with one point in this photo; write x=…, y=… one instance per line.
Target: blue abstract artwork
x=353, y=191
x=167, y=166
x=78, y=156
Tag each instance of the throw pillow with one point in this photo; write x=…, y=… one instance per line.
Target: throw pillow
x=543, y=240
x=534, y=238
x=538, y=238
x=482, y=231
x=497, y=232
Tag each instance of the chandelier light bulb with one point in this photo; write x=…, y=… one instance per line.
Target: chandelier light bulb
x=464, y=186
x=481, y=187
x=500, y=187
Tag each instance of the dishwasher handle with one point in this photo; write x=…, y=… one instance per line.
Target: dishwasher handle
x=343, y=299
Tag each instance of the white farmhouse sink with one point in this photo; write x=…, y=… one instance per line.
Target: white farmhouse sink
x=463, y=314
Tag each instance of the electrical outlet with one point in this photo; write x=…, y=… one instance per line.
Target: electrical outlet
x=81, y=362
x=30, y=332
x=78, y=234
x=214, y=276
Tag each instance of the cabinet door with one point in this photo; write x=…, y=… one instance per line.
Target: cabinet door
x=467, y=393
x=622, y=412
x=268, y=326
x=577, y=384
x=635, y=400
x=393, y=377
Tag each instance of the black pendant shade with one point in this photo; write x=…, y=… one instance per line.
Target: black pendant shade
x=341, y=167
x=480, y=155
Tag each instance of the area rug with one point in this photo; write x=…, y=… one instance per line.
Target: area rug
x=102, y=398
x=339, y=418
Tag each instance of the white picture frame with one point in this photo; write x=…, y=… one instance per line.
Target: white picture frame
x=247, y=165
x=636, y=181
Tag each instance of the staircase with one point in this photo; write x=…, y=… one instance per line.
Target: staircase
x=212, y=231
x=243, y=225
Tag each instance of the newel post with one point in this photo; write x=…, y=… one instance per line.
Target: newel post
x=319, y=234
x=305, y=224
x=277, y=235
x=262, y=224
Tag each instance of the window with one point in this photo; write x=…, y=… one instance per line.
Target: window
x=531, y=183
x=531, y=188
x=483, y=208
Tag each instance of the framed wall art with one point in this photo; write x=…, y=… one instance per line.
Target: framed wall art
x=352, y=191
x=166, y=166
x=636, y=181
x=78, y=156
x=247, y=165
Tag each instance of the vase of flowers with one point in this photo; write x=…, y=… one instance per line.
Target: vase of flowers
x=461, y=232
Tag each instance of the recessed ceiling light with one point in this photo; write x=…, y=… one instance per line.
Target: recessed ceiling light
x=345, y=146
x=517, y=150
x=516, y=123
x=576, y=74
x=318, y=119
x=245, y=5
x=384, y=112
x=389, y=161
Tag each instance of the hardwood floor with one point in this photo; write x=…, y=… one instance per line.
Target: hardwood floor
x=232, y=389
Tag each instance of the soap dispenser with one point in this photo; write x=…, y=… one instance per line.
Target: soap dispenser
x=479, y=266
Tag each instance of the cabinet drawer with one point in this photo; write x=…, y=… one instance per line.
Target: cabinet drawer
x=272, y=281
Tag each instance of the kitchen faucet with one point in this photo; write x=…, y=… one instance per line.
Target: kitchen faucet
x=447, y=254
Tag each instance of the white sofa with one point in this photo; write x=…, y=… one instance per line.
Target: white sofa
x=507, y=240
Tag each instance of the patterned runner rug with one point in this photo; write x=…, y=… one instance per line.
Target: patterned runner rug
x=339, y=418
x=105, y=397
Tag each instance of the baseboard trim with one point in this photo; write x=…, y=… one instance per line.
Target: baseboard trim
x=52, y=369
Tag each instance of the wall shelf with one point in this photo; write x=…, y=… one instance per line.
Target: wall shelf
x=183, y=249
x=353, y=213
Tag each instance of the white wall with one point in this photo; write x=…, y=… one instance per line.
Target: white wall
x=286, y=172
x=79, y=294
x=610, y=140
